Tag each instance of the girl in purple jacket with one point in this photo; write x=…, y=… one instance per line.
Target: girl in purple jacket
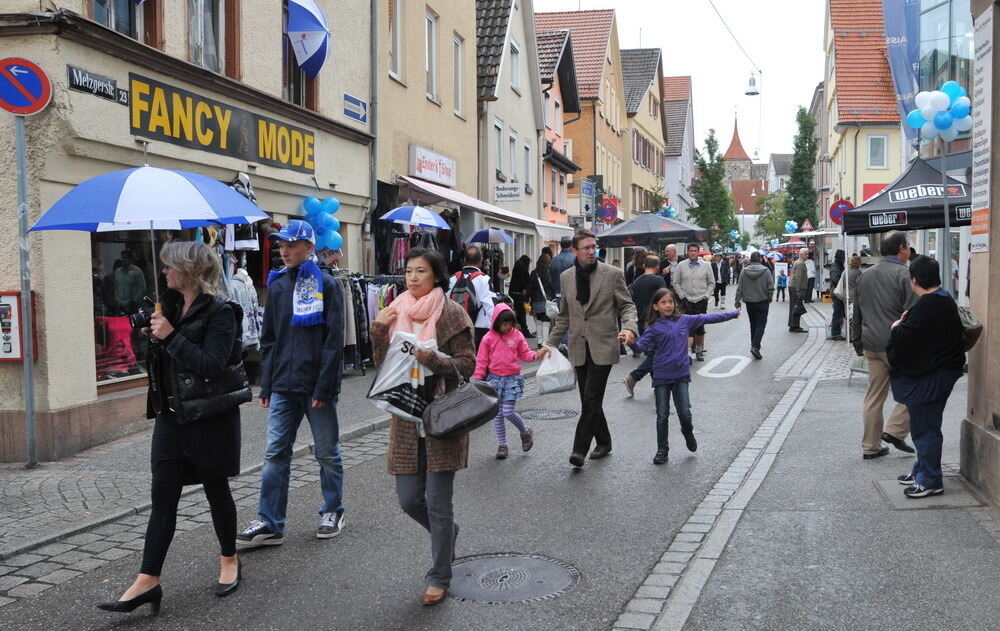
x=666, y=337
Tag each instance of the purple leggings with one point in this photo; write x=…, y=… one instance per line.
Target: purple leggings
x=507, y=412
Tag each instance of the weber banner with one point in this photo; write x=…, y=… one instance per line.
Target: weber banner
x=902, y=40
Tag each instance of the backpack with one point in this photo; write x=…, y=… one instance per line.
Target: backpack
x=464, y=292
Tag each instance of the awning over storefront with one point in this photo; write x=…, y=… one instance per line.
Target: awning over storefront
x=547, y=231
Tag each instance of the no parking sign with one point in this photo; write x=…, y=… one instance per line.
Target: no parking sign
x=838, y=209
x=24, y=87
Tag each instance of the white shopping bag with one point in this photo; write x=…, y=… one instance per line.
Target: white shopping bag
x=404, y=386
x=555, y=374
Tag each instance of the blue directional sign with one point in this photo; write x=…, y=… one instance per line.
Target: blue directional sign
x=355, y=108
x=587, y=188
x=24, y=87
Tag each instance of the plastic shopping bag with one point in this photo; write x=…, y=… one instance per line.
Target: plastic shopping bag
x=555, y=374
x=404, y=386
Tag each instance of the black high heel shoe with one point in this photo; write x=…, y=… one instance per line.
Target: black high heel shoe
x=152, y=596
x=224, y=589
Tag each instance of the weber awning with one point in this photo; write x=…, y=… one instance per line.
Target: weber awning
x=915, y=201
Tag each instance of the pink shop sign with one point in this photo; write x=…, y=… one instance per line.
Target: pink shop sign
x=433, y=167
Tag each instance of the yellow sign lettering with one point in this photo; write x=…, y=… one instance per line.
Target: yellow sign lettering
x=183, y=118
x=298, y=148
x=267, y=142
x=308, y=155
x=223, y=116
x=159, y=118
x=284, y=144
x=201, y=111
x=140, y=92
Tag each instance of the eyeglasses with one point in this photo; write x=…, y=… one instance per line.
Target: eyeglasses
x=588, y=247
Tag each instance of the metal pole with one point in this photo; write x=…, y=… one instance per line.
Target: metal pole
x=27, y=343
x=945, y=247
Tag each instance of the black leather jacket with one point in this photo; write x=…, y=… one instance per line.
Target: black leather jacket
x=197, y=372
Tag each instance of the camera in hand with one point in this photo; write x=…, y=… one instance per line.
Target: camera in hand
x=143, y=317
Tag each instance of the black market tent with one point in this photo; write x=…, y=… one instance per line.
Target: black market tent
x=650, y=229
x=915, y=201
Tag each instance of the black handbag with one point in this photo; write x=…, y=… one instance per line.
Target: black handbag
x=470, y=405
x=199, y=398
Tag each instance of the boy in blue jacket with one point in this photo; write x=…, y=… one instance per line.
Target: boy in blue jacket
x=666, y=337
x=301, y=346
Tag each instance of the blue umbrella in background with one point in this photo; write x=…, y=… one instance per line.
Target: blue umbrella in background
x=148, y=198
x=416, y=216
x=491, y=235
x=309, y=34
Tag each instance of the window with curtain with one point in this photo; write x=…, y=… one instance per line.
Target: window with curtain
x=527, y=165
x=877, y=154
x=205, y=34
x=515, y=65
x=457, y=46
x=498, y=144
x=141, y=22
x=545, y=110
x=512, y=153
x=430, y=54
x=396, y=38
x=297, y=87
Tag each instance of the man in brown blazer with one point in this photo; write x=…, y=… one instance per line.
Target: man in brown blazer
x=594, y=297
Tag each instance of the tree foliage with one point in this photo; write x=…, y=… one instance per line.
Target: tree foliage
x=772, y=213
x=714, y=204
x=802, y=195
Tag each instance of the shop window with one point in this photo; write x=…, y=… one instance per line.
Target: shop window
x=430, y=54
x=141, y=22
x=297, y=87
x=396, y=38
x=122, y=269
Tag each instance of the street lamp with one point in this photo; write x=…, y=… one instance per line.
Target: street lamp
x=753, y=89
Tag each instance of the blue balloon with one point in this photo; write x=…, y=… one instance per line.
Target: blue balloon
x=791, y=226
x=334, y=223
x=331, y=205
x=960, y=110
x=672, y=213
x=915, y=119
x=943, y=120
x=333, y=240
x=311, y=205
x=954, y=90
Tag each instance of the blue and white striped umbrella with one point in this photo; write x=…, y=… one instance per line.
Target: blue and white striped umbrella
x=309, y=34
x=491, y=235
x=148, y=198
x=416, y=216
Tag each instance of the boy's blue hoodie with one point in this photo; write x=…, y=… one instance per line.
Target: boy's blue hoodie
x=667, y=339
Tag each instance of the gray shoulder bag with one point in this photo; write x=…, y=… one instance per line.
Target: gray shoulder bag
x=470, y=405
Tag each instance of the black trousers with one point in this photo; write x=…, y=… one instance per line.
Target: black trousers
x=794, y=298
x=169, y=464
x=522, y=317
x=839, y=314
x=592, y=380
x=757, y=314
x=479, y=335
x=720, y=289
x=779, y=294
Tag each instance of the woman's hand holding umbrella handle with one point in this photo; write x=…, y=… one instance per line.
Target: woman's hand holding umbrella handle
x=159, y=326
x=386, y=316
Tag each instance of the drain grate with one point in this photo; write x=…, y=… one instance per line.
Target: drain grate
x=508, y=577
x=547, y=414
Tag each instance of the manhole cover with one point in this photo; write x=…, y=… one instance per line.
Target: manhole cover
x=547, y=414
x=511, y=578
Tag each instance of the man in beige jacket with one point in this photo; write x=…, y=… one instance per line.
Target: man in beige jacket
x=594, y=297
x=798, y=285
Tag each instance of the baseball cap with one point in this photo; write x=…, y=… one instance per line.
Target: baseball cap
x=295, y=230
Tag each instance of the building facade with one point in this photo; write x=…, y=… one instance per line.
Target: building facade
x=560, y=98
x=642, y=71
x=168, y=84
x=678, y=112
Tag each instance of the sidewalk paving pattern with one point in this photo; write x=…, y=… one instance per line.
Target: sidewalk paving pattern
x=782, y=519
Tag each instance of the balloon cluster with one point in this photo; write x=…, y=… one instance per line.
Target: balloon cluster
x=774, y=242
x=735, y=234
x=667, y=211
x=946, y=112
x=320, y=215
x=791, y=226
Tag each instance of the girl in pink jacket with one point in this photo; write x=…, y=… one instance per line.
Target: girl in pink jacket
x=499, y=362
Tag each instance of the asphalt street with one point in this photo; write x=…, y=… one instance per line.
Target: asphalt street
x=807, y=551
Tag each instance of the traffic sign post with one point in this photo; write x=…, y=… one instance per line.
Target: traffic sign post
x=838, y=209
x=25, y=90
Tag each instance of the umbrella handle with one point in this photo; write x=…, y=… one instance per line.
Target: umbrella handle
x=158, y=308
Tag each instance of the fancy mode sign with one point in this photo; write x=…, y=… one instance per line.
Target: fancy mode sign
x=184, y=118
x=925, y=191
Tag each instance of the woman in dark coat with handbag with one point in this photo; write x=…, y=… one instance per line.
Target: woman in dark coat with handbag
x=425, y=466
x=196, y=385
x=540, y=289
x=519, y=291
x=926, y=353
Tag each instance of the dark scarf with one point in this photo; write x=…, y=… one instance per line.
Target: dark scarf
x=583, y=273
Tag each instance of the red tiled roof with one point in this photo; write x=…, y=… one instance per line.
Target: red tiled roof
x=864, y=89
x=676, y=88
x=742, y=190
x=736, y=150
x=591, y=33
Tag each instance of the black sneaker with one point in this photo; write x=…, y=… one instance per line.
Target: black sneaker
x=917, y=491
x=692, y=444
x=906, y=479
x=330, y=525
x=258, y=534
x=660, y=457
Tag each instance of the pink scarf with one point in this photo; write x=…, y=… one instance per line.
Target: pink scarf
x=426, y=310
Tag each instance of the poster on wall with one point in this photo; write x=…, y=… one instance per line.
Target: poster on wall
x=10, y=326
x=982, y=130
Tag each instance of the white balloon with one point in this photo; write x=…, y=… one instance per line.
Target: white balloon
x=949, y=134
x=928, y=113
x=922, y=100
x=962, y=100
x=963, y=124
x=929, y=131
x=940, y=100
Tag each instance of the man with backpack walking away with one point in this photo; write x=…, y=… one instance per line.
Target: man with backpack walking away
x=470, y=288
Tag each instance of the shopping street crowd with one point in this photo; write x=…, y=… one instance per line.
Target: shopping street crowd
x=455, y=328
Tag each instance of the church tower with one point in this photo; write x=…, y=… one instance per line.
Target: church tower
x=738, y=164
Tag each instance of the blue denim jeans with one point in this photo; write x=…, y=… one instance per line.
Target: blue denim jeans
x=682, y=404
x=925, y=428
x=283, y=419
